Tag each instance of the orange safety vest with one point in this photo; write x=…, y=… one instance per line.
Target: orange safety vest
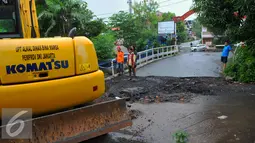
x=120, y=57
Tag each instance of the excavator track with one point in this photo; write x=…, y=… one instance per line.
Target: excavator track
x=77, y=125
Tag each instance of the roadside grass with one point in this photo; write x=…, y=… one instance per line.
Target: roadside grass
x=180, y=137
x=241, y=67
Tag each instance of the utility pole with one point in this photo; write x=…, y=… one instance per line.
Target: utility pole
x=130, y=6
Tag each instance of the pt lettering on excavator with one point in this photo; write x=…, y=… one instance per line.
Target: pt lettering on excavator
x=34, y=67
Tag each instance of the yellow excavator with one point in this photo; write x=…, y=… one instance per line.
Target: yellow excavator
x=54, y=77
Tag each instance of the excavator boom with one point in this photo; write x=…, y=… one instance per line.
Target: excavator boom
x=29, y=19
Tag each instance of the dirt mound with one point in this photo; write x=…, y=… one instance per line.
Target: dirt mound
x=162, y=89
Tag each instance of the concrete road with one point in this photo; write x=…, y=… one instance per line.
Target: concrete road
x=185, y=65
x=201, y=119
x=185, y=47
x=187, y=44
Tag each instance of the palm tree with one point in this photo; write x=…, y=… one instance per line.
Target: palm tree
x=51, y=11
x=64, y=15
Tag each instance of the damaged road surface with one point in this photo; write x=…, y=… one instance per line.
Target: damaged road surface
x=209, y=109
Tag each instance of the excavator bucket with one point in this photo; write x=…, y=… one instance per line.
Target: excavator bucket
x=77, y=125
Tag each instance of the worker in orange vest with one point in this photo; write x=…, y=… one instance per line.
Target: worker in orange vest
x=131, y=62
x=120, y=61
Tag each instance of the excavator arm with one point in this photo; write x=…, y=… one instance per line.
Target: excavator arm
x=29, y=19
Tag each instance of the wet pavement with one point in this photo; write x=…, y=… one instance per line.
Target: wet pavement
x=200, y=120
x=199, y=116
x=185, y=65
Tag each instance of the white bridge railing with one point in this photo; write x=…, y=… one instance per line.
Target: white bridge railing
x=148, y=56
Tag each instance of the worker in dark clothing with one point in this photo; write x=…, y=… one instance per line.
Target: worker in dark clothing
x=131, y=62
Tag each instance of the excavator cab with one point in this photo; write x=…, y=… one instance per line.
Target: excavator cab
x=10, y=23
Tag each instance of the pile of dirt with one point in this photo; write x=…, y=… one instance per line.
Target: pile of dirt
x=169, y=89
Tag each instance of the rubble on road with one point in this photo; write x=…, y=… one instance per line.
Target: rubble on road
x=169, y=89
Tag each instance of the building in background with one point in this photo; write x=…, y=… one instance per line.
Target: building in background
x=207, y=37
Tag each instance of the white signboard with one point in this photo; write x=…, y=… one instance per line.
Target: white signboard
x=166, y=27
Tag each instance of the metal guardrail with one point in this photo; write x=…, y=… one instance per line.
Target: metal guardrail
x=148, y=56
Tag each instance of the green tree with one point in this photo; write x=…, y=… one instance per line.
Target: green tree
x=58, y=17
x=219, y=17
x=92, y=28
x=142, y=26
x=104, y=45
x=146, y=20
x=128, y=29
x=167, y=16
x=181, y=32
x=138, y=28
x=197, y=28
x=48, y=17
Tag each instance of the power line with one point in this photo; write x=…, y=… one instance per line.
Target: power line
x=104, y=14
x=109, y=13
x=128, y=9
x=173, y=3
x=164, y=1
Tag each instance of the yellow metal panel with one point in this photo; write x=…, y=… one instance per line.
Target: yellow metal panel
x=25, y=18
x=85, y=56
x=25, y=60
x=53, y=95
x=35, y=19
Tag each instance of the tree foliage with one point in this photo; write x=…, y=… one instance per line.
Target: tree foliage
x=104, y=45
x=242, y=67
x=181, y=32
x=146, y=20
x=226, y=18
x=167, y=16
x=57, y=17
x=197, y=28
x=141, y=27
x=125, y=22
x=219, y=17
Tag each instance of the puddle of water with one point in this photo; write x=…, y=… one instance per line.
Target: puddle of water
x=199, y=118
x=158, y=122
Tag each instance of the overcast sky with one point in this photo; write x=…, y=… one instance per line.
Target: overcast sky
x=105, y=8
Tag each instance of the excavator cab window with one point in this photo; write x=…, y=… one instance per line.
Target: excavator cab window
x=9, y=19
